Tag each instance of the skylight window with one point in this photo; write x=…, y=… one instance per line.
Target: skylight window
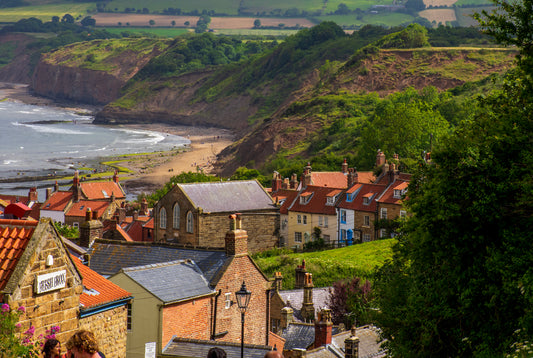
x=105, y=194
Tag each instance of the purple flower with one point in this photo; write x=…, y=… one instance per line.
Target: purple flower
x=5, y=307
x=21, y=309
x=18, y=325
x=30, y=331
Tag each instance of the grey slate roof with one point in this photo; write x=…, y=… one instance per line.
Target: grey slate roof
x=170, y=281
x=369, y=345
x=301, y=335
x=109, y=258
x=294, y=299
x=228, y=196
x=194, y=348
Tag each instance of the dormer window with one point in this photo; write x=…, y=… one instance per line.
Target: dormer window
x=397, y=194
x=305, y=198
x=330, y=200
x=367, y=199
x=105, y=194
x=349, y=197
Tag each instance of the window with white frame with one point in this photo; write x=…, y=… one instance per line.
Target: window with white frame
x=325, y=221
x=366, y=220
x=297, y=237
x=383, y=213
x=227, y=300
x=383, y=233
x=76, y=224
x=397, y=194
x=163, y=218
x=331, y=200
x=343, y=216
x=176, y=216
x=403, y=213
x=343, y=235
x=320, y=220
x=366, y=200
x=305, y=219
x=190, y=222
x=299, y=219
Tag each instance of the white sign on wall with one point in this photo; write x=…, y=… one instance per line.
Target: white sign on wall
x=50, y=281
x=149, y=350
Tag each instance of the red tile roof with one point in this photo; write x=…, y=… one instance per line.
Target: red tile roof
x=14, y=237
x=370, y=191
x=287, y=196
x=19, y=210
x=57, y=201
x=317, y=203
x=102, y=190
x=80, y=208
x=97, y=289
x=329, y=179
x=123, y=233
x=150, y=223
x=388, y=196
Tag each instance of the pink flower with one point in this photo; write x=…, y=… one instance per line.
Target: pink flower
x=21, y=309
x=5, y=307
x=18, y=325
x=30, y=331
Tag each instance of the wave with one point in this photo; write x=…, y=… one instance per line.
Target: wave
x=10, y=161
x=51, y=129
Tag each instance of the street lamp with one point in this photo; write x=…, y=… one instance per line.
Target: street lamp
x=243, y=298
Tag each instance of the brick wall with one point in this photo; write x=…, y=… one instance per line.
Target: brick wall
x=110, y=330
x=187, y=320
x=256, y=326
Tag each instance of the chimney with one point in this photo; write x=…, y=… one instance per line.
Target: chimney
x=76, y=188
x=306, y=177
x=276, y=182
x=351, y=345
x=33, y=195
x=278, y=280
x=353, y=177
x=236, y=241
x=285, y=184
x=56, y=186
x=380, y=158
x=286, y=317
x=144, y=207
x=323, y=327
x=90, y=230
x=48, y=193
x=115, y=176
x=308, y=309
x=294, y=181
x=135, y=215
x=344, y=166
x=300, y=275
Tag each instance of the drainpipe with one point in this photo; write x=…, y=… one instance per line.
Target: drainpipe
x=215, y=316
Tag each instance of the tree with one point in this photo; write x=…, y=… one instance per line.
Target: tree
x=68, y=18
x=461, y=282
x=173, y=23
x=186, y=23
x=88, y=21
x=257, y=23
x=151, y=22
x=350, y=302
x=55, y=19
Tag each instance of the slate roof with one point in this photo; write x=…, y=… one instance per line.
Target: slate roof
x=317, y=203
x=109, y=258
x=14, y=238
x=228, y=196
x=170, y=281
x=97, y=290
x=193, y=348
x=294, y=299
x=298, y=335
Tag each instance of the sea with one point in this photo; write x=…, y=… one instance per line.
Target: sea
x=38, y=143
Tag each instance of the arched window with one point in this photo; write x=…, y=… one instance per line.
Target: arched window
x=190, y=222
x=176, y=216
x=163, y=218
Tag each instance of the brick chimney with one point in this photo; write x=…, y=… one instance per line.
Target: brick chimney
x=323, y=328
x=294, y=181
x=91, y=229
x=380, y=158
x=33, y=195
x=48, y=193
x=306, y=177
x=344, y=166
x=236, y=241
x=287, y=315
x=56, y=186
x=308, y=308
x=76, y=188
x=144, y=207
x=351, y=345
x=278, y=281
x=115, y=176
x=276, y=182
x=299, y=273
x=285, y=184
x=353, y=177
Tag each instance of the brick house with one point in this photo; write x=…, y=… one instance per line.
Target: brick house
x=216, y=316
x=37, y=272
x=196, y=214
x=30, y=201
x=69, y=207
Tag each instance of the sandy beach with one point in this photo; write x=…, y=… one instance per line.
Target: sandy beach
x=151, y=171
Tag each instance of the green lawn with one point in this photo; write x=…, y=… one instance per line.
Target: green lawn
x=258, y=6
x=464, y=15
x=387, y=19
x=44, y=12
x=220, y=6
x=330, y=266
x=255, y=32
x=157, y=31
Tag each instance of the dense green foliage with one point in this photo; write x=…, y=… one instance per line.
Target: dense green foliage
x=461, y=281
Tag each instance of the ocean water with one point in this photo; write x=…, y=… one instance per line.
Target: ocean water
x=41, y=141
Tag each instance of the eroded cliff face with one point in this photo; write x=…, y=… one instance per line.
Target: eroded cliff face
x=75, y=84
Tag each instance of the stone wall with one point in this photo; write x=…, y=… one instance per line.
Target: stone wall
x=110, y=330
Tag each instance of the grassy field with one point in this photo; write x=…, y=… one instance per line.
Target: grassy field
x=386, y=19
x=161, y=32
x=464, y=15
x=256, y=32
x=44, y=12
x=229, y=7
x=330, y=266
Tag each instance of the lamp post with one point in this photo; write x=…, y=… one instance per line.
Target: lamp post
x=243, y=298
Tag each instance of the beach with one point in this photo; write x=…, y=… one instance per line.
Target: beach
x=149, y=171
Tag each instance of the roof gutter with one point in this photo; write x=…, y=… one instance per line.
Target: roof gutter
x=91, y=311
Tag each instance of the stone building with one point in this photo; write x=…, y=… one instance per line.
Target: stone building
x=37, y=272
x=196, y=214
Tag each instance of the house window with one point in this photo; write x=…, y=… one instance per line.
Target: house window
x=349, y=197
x=330, y=200
x=227, y=300
x=382, y=233
x=367, y=220
x=307, y=237
x=297, y=237
x=343, y=235
x=305, y=219
x=383, y=213
x=128, y=321
x=366, y=200
x=76, y=224
x=366, y=237
x=190, y=222
x=163, y=218
x=176, y=216
x=343, y=216
x=320, y=221
x=299, y=219
x=403, y=213
x=325, y=221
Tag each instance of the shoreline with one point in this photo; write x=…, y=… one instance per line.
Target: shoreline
x=150, y=171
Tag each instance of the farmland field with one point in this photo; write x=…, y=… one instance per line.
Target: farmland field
x=435, y=3
x=161, y=32
x=440, y=16
x=464, y=15
x=136, y=20
x=256, y=32
x=44, y=12
x=386, y=19
x=229, y=7
x=259, y=6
